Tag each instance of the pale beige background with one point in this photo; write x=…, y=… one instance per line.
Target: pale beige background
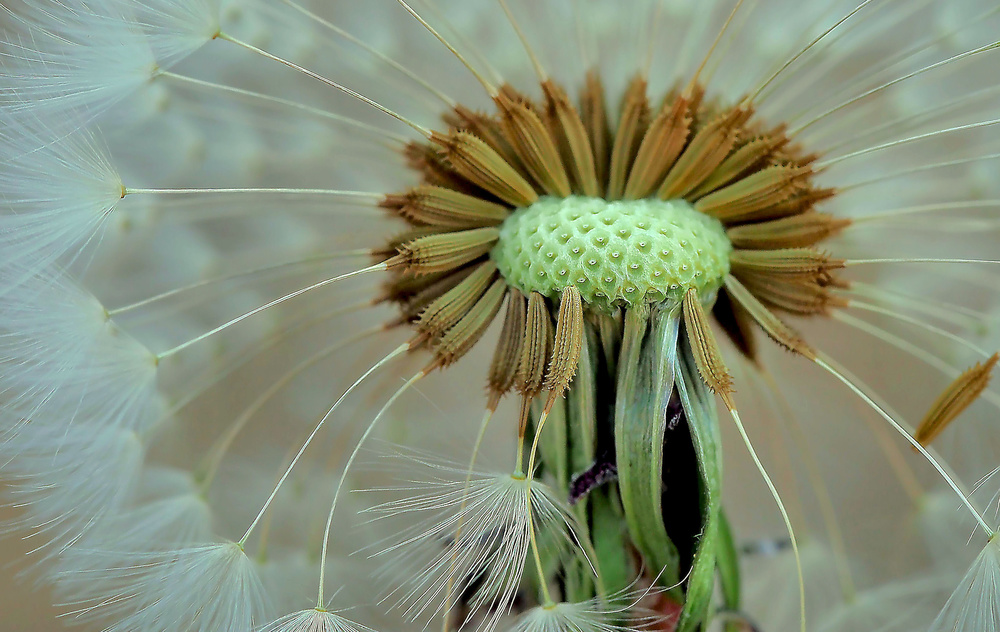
x=23, y=606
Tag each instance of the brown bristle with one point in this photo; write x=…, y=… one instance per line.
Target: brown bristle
x=707, y=356
x=507, y=355
x=537, y=347
x=478, y=163
x=568, y=342
x=771, y=324
x=632, y=125
x=958, y=396
x=789, y=232
x=446, y=310
x=529, y=137
x=571, y=136
x=446, y=251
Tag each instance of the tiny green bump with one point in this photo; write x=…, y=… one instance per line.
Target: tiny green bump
x=610, y=268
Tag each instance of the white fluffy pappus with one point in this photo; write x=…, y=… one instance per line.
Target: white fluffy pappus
x=618, y=612
x=470, y=538
x=86, y=55
x=975, y=604
x=63, y=363
x=207, y=588
x=58, y=190
x=69, y=479
x=314, y=620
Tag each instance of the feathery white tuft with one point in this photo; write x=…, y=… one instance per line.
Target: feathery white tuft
x=63, y=363
x=70, y=478
x=82, y=56
x=314, y=621
x=492, y=519
x=975, y=604
x=209, y=588
x=58, y=191
x=617, y=613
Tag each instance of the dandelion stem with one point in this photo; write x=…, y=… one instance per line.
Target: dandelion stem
x=231, y=277
x=205, y=383
x=982, y=49
x=781, y=508
x=490, y=88
x=366, y=195
x=347, y=467
x=926, y=208
x=338, y=118
x=857, y=262
x=537, y=65
x=543, y=583
x=409, y=74
x=918, y=323
x=333, y=84
x=753, y=97
x=392, y=354
x=820, y=488
x=378, y=267
x=903, y=141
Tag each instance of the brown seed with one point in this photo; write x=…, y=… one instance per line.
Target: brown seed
x=480, y=164
x=660, y=147
x=749, y=196
x=507, y=355
x=449, y=308
x=959, y=395
x=788, y=232
x=571, y=136
x=802, y=296
x=632, y=126
x=458, y=340
x=567, y=344
x=487, y=129
x=707, y=356
x=533, y=144
x=446, y=251
x=441, y=206
x=771, y=324
x=537, y=347
x=746, y=157
x=595, y=120
x=707, y=150
x=786, y=263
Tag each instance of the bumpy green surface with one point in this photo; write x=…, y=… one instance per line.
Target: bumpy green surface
x=616, y=253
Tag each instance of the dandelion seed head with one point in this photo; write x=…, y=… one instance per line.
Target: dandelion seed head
x=243, y=241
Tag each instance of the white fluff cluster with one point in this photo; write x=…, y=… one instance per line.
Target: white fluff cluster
x=487, y=524
x=153, y=173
